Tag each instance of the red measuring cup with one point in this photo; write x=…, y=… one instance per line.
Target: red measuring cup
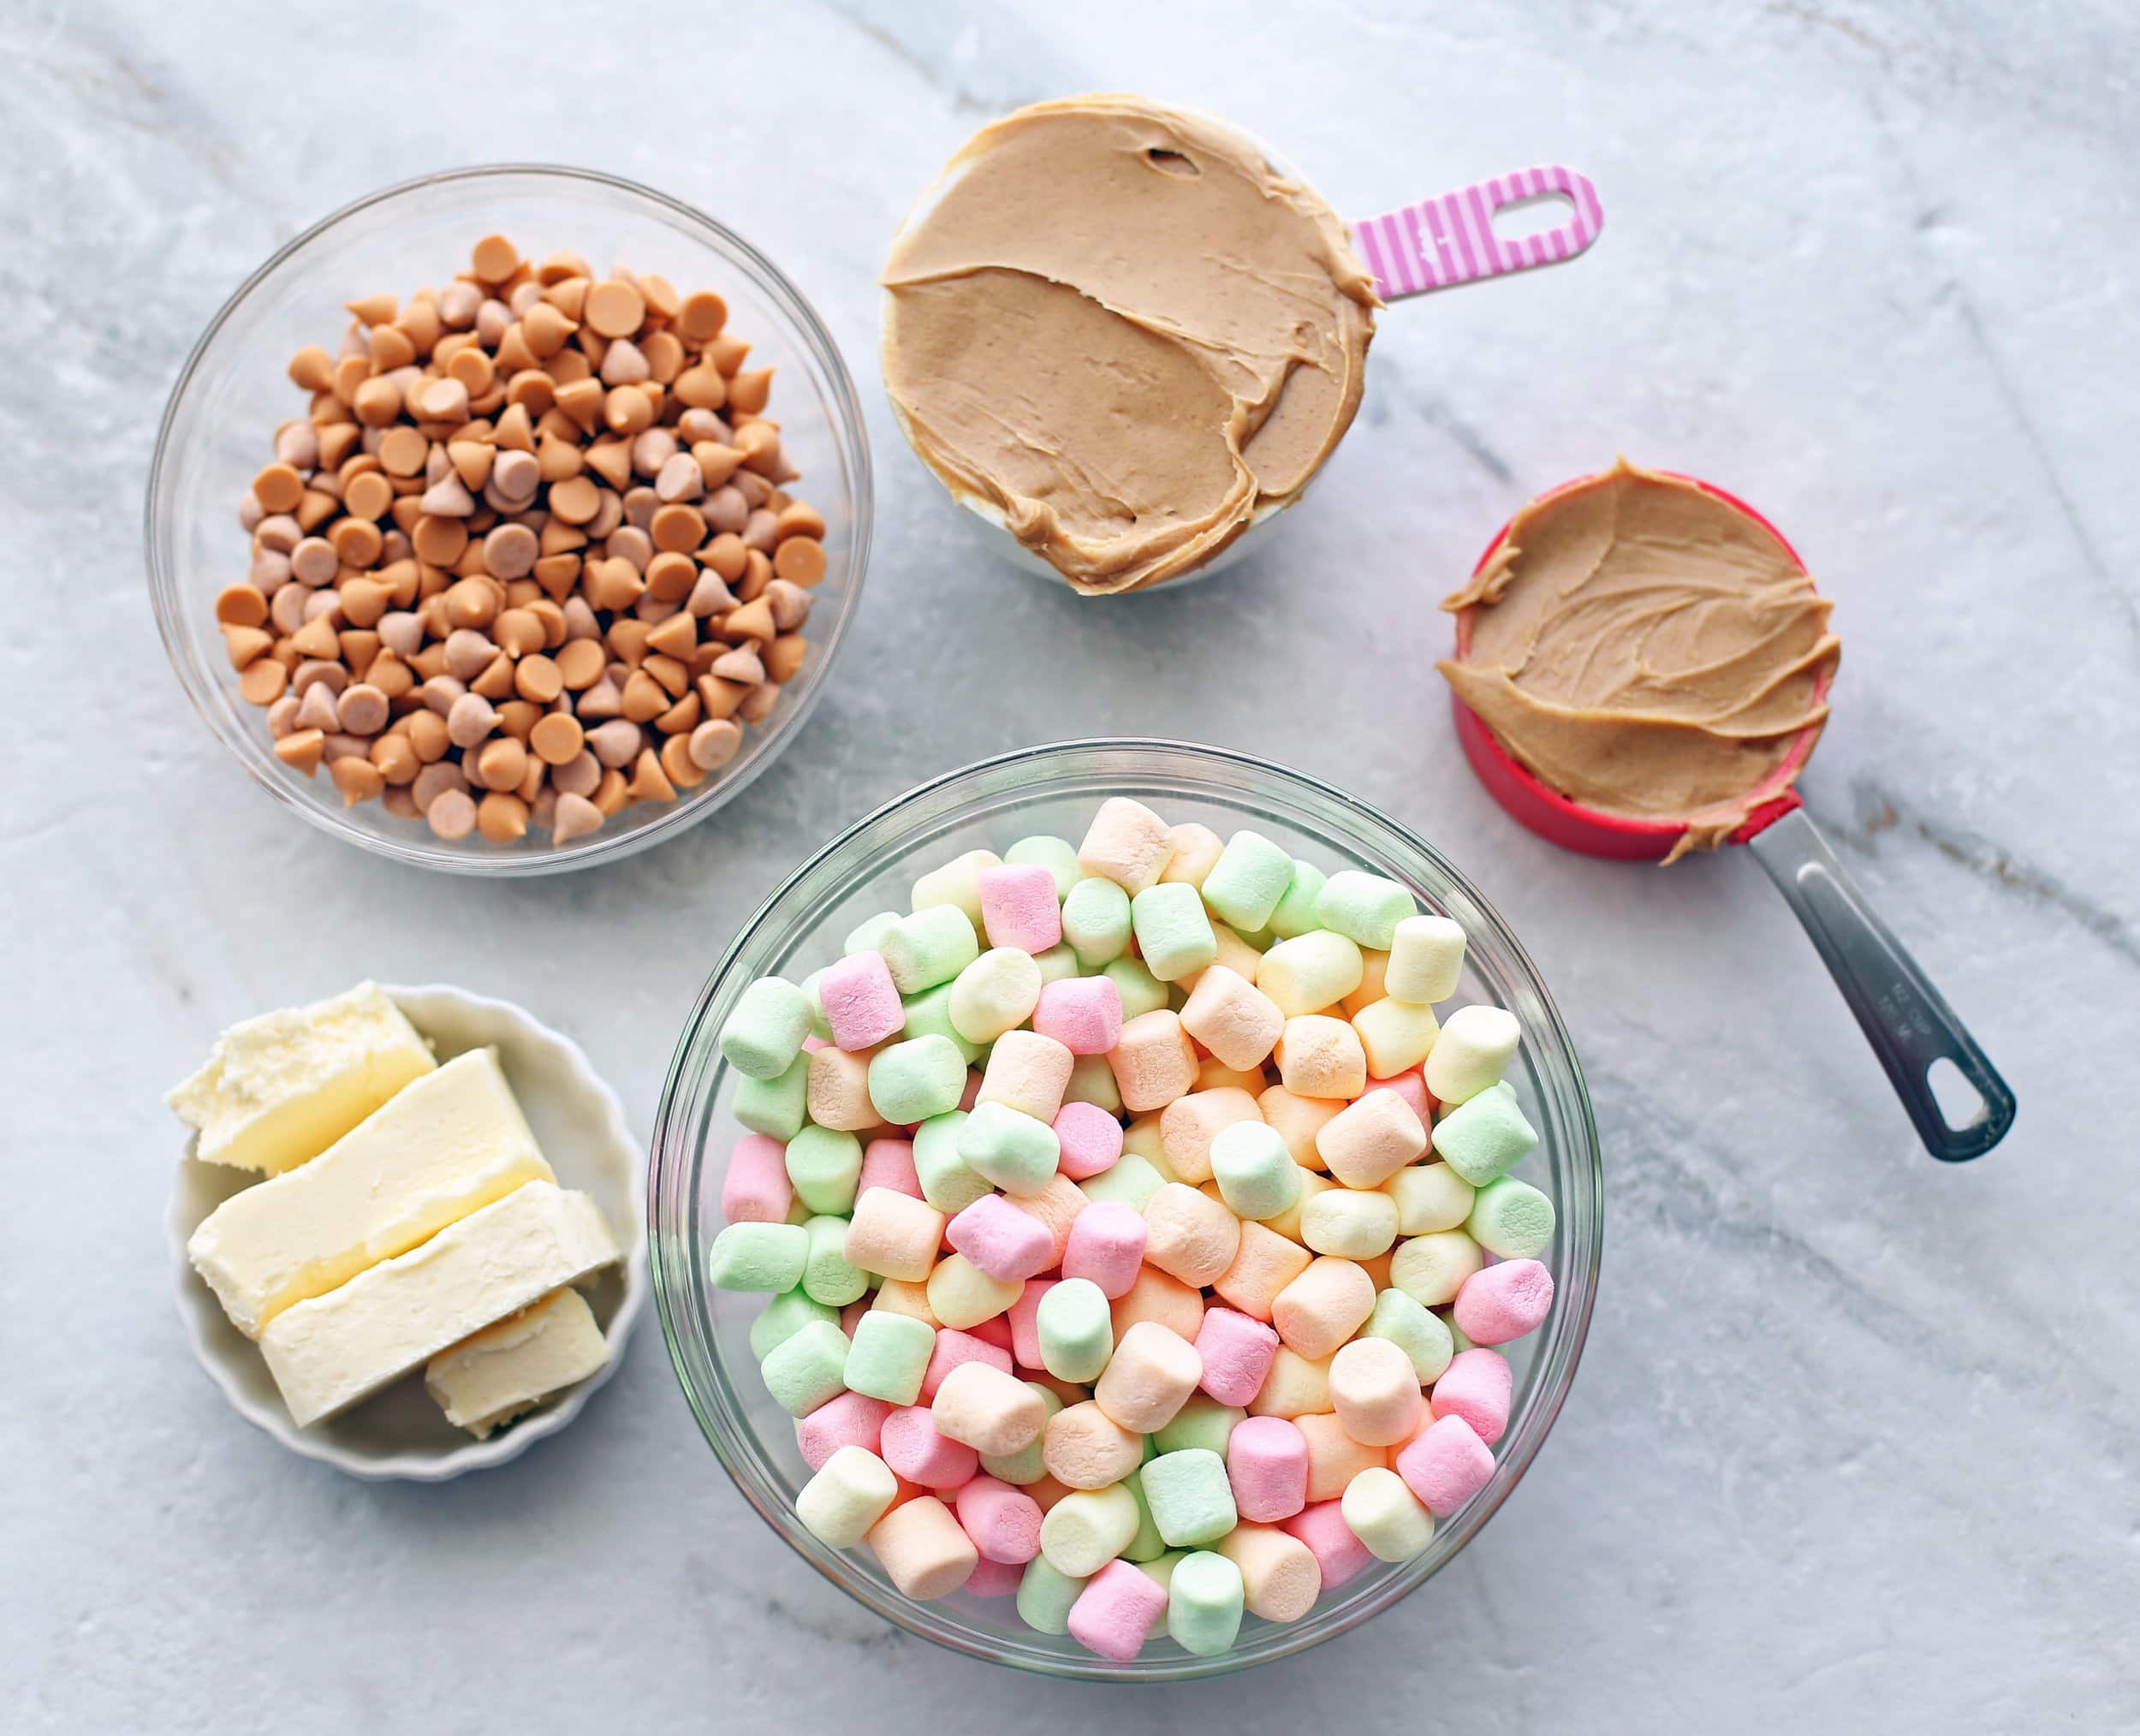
x=1907, y=1021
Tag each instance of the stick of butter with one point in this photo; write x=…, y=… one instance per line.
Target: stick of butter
x=446, y=1144
x=278, y=1090
x=329, y=1351
x=493, y=1376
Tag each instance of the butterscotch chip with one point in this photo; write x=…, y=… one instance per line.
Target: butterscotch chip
x=278, y=488
x=557, y=738
x=495, y=260
x=313, y=369
x=575, y=500
x=701, y=316
x=262, y=681
x=580, y=663
x=301, y=748
x=390, y=347
x=677, y=637
x=356, y=542
x=501, y=816
x=373, y=310
x=614, y=308
x=750, y=392
x=677, y=765
x=650, y=783
x=799, y=560
x=359, y=780
x=784, y=657
x=537, y=678
x=241, y=605
x=677, y=527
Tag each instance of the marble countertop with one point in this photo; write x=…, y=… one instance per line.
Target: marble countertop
x=1852, y=1446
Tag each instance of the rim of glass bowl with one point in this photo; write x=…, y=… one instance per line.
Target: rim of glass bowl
x=761, y=748
x=692, y=1088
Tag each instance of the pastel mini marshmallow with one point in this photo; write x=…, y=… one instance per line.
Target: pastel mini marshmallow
x=1426, y=960
x=860, y=1001
x=755, y=1188
x=837, y=1093
x=1334, y=1458
x=824, y=1167
x=957, y=883
x=783, y=1317
x=1058, y=1205
x=1370, y=1140
x=1191, y=1501
x=1172, y=931
x=1319, y=1056
x=1202, y=1421
x=893, y=1236
x=1026, y=1072
x=1445, y=1464
x=1205, y=1596
x=1511, y=1219
x=1046, y=1597
x=922, y=1549
x=1244, y=884
x=1084, y=1447
x=1058, y=856
x=1003, y=1522
x=768, y=1257
x=1312, y=971
x=890, y=1162
x=987, y=1410
x=1083, y=1014
x=1267, y=1463
x=1154, y=1061
x=993, y=1579
x=1087, y=1529
x=1189, y=1124
x=1019, y=907
x=1096, y=922
x=1093, y=1081
x=1375, y=1390
x=1373, y=965
x=1076, y=1330
x=1008, y=1245
x=1254, y=1169
x=1279, y=1577
x=1353, y=1224
x=1106, y=1247
x=898, y=1296
x=850, y=1420
x=1089, y=1141
x=774, y=1107
x=1485, y=1135
x=1236, y=1353
x=846, y=1497
x=1141, y=991
x=1230, y=1016
x=1429, y=1196
x=1003, y=1146
x=994, y=994
x=806, y=1369
x=913, y=1446
x=1021, y=1317
x=1287, y=1223
x=1365, y=908
x=1324, y=1306
x=887, y=1355
x=1264, y=1264
x=912, y=1081
x=1299, y=1121
x=930, y=946
x=1026, y=1466
x=929, y=1014
x=1431, y=1269
x=1150, y=1377
x=1161, y=1299
x=1126, y=843
x=1335, y=1547
x=1296, y=1386
x=1504, y=1301
x=1192, y=849
x=1188, y=1235
x=1395, y=1035
x=763, y=1036
x=961, y=1295
x=1116, y=1611
x=1474, y=1047
x=826, y=1275
x=1476, y=1386
x=1419, y=1333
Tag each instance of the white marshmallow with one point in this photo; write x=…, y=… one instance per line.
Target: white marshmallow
x=852, y=1490
x=1469, y=1055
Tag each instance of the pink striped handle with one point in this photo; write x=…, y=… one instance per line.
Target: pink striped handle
x=1450, y=239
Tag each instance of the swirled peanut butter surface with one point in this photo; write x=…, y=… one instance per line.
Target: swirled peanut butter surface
x=1116, y=326
x=1648, y=650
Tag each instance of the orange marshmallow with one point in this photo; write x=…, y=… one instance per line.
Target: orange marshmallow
x=1056, y=1205
x=923, y=1548
x=893, y=1234
x=1375, y=1392
x=995, y=1413
x=1296, y=1386
x=1322, y=1308
x=1334, y=1458
x=1367, y=1142
x=1165, y=1301
x=1279, y=1579
x=1214, y=1074
x=1028, y=1072
x=1265, y=1264
x=899, y=1296
x=1192, y=850
x=1230, y=1016
x=1189, y=1235
x=1126, y=843
x=1149, y=1379
x=1319, y=1056
x=1189, y=1124
x=839, y=1095
x=1084, y=1447
x=1154, y=1062
x=1297, y=1120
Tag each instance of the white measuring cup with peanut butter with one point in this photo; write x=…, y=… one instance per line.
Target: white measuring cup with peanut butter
x=1124, y=336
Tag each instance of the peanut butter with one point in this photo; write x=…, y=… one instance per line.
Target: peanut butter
x=1648, y=650
x=1115, y=325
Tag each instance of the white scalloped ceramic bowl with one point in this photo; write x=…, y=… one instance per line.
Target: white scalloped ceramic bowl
x=402, y=1432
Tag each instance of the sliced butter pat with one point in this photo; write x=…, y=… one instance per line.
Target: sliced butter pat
x=280, y=1089
x=330, y=1351
x=444, y=1146
x=490, y=1378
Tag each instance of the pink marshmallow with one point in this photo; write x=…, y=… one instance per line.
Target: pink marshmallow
x=951, y=1349
x=1476, y=1386
x=1411, y=1086
x=861, y=1001
x=995, y=1578
x=848, y=1420
x=1003, y=1522
x=1083, y=1014
x=813, y=1043
x=915, y=1451
x=756, y=1189
x=972, y=1094
x=1237, y=1354
x=1115, y=1613
x=1504, y=1301
x=1267, y=1463
x=1339, y=1555
x=1008, y=1245
x=994, y=1330
x=1019, y=908
x=1107, y=1246
x=889, y=1164
x=1091, y=1140
x=1023, y=1316
x=853, y=1312
x=1445, y=1464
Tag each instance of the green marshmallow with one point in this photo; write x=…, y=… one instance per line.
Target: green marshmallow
x=1254, y=1168
x=759, y=1257
x=921, y=1077
x=929, y=1014
x=820, y=1026
x=931, y=946
x=1204, y=1597
x=807, y=1368
x=1058, y=856
x=826, y=1275
x=1055, y=964
x=1076, y=1329
x=1008, y=1148
x=1192, y=1500
x=773, y=1107
x=889, y=1356
x=1093, y=1081
x=946, y=1181
x=1044, y=1597
x=868, y=935
x=1160, y=1570
x=1511, y=1218
x=1173, y=933
x=1202, y=1422
x=1459, y=1340
x=1131, y=1179
x=1141, y=991
x=1295, y=914
x=1145, y=1544
x=785, y=1315
x=1413, y=1329
x=1096, y=921
x=1245, y=883
x=764, y=1034
x=1364, y=907
x=1486, y=1135
x=825, y=1165
x=1026, y=1466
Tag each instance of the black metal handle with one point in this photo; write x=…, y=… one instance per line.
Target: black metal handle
x=1903, y=1016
